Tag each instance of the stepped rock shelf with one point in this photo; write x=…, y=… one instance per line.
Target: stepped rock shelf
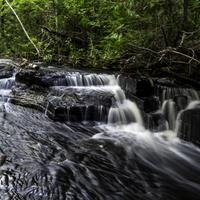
x=67, y=95
x=80, y=135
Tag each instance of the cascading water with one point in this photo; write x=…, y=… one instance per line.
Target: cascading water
x=122, y=111
x=174, y=101
x=5, y=87
x=114, y=160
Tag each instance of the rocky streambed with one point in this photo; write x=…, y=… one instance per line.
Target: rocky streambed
x=73, y=134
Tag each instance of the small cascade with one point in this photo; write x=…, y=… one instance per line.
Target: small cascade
x=169, y=111
x=5, y=87
x=90, y=88
x=78, y=79
x=165, y=93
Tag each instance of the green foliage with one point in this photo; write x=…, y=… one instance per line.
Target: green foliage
x=92, y=32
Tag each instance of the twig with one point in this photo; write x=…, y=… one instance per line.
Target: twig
x=172, y=50
x=143, y=48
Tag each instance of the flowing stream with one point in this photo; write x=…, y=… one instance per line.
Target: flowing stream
x=41, y=159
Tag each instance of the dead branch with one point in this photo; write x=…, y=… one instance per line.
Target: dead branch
x=143, y=48
x=173, y=50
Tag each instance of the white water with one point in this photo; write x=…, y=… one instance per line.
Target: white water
x=78, y=79
x=123, y=110
x=5, y=88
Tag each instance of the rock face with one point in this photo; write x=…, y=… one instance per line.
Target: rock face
x=75, y=104
x=189, y=126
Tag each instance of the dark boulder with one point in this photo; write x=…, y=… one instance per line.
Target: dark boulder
x=138, y=86
x=189, y=125
x=156, y=122
x=181, y=102
x=150, y=104
x=144, y=88
x=41, y=77
x=128, y=84
x=146, y=104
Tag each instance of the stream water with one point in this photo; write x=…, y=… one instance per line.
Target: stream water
x=114, y=160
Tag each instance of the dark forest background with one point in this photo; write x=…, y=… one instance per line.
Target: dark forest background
x=130, y=35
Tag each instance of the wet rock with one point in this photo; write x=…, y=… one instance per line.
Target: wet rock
x=84, y=95
x=146, y=104
x=189, y=126
x=166, y=82
x=150, y=104
x=137, y=86
x=6, y=68
x=128, y=84
x=57, y=110
x=2, y=159
x=29, y=97
x=181, y=102
x=41, y=77
x=156, y=122
x=48, y=77
x=144, y=88
x=75, y=104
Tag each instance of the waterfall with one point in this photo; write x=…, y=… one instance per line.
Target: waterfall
x=78, y=79
x=5, y=87
x=175, y=101
x=121, y=111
